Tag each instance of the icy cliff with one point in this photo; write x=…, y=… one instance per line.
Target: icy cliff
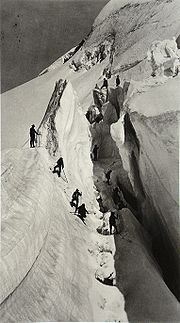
x=53, y=266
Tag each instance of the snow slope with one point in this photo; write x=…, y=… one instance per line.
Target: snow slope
x=45, y=258
x=54, y=267
x=52, y=290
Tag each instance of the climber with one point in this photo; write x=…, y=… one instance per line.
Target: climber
x=100, y=202
x=95, y=150
x=108, y=175
x=59, y=166
x=82, y=212
x=75, y=199
x=33, y=134
x=118, y=80
x=107, y=73
x=112, y=222
x=105, y=83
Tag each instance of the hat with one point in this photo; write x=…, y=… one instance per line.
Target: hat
x=33, y=125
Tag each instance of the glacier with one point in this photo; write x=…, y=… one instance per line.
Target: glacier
x=53, y=266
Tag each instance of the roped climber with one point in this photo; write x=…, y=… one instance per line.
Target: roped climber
x=59, y=166
x=75, y=199
x=118, y=80
x=33, y=134
x=82, y=212
x=112, y=222
x=105, y=83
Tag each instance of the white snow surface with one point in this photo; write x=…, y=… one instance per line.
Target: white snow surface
x=51, y=262
x=114, y=5
x=45, y=257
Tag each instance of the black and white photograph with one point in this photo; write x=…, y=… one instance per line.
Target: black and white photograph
x=90, y=101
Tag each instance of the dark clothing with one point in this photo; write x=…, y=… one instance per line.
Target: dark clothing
x=60, y=162
x=117, y=81
x=82, y=211
x=33, y=134
x=75, y=199
x=108, y=175
x=59, y=166
x=95, y=150
x=76, y=195
x=105, y=83
x=112, y=222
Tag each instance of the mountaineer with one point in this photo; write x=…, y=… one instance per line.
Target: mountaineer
x=75, y=199
x=118, y=80
x=59, y=166
x=105, y=83
x=82, y=212
x=112, y=222
x=33, y=134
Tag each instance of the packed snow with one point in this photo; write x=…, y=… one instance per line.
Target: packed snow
x=55, y=267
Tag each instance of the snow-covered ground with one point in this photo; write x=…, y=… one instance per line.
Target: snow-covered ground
x=53, y=266
x=49, y=257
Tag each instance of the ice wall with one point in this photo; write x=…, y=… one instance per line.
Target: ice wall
x=65, y=132
x=148, y=145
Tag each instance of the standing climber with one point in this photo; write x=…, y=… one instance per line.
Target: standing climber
x=108, y=175
x=33, y=134
x=82, y=212
x=75, y=199
x=118, y=80
x=112, y=222
x=100, y=202
x=59, y=166
x=95, y=151
x=105, y=83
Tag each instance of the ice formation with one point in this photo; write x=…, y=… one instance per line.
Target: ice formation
x=53, y=266
x=164, y=57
